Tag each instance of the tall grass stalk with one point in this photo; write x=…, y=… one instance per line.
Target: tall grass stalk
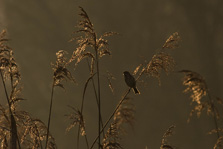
x=50, y=111
x=99, y=96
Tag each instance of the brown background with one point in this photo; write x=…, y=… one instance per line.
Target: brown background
x=38, y=29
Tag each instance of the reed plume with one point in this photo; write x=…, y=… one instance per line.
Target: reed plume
x=197, y=86
x=60, y=73
x=91, y=46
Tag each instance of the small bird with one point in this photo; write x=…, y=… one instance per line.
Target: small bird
x=131, y=82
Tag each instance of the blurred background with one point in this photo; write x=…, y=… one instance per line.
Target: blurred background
x=38, y=29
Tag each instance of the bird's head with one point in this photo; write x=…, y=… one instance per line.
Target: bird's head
x=126, y=73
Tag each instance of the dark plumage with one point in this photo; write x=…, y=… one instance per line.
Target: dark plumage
x=131, y=82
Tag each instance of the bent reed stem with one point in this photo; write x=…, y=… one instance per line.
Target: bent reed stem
x=121, y=101
x=96, y=97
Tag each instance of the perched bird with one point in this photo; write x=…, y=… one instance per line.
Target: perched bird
x=131, y=82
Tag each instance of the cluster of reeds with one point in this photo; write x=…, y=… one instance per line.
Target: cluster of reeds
x=92, y=47
x=124, y=111
x=18, y=129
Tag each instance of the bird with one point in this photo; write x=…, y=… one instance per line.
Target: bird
x=130, y=81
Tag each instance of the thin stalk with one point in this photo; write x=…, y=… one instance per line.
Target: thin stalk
x=215, y=116
x=50, y=110
x=99, y=102
x=82, y=108
x=78, y=137
x=99, y=91
x=96, y=97
x=123, y=98
x=86, y=140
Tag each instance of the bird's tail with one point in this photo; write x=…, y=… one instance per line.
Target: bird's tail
x=136, y=91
